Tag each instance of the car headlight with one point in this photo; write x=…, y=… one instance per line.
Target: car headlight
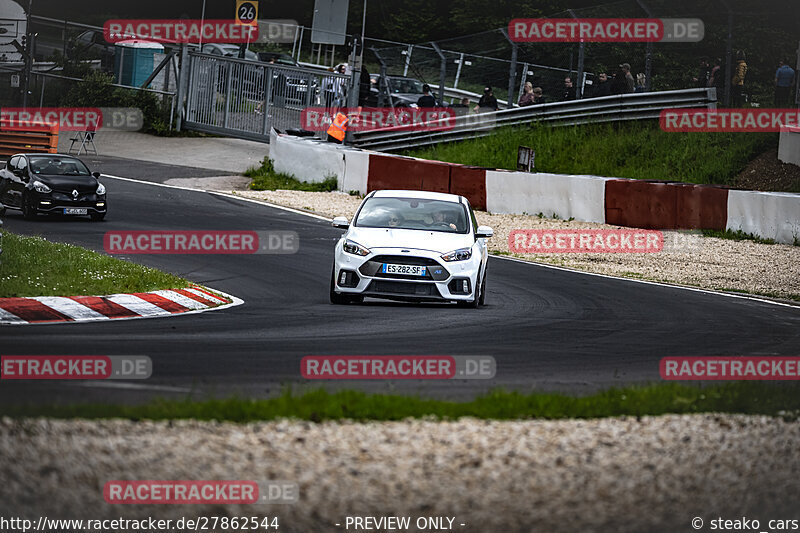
x=101, y=189
x=461, y=254
x=38, y=186
x=354, y=248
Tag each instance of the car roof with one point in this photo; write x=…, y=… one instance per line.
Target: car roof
x=428, y=195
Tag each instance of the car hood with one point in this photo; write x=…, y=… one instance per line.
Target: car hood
x=67, y=183
x=434, y=241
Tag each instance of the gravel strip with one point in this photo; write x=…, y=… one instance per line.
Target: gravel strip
x=617, y=474
x=707, y=262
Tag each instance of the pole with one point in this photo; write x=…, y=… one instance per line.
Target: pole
x=512, y=70
x=728, y=55
x=581, y=52
x=408, y=59
x=458, y=70
x=442, y=71
x=28, y=54
x=202, y=18
x=648, y=58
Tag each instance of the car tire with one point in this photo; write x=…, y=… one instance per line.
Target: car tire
x=2, y=210
x=342, y=299
x=97, y=217
x=476, y=301
x=27, y=212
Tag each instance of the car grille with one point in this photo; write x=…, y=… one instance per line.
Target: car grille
x=434, y=271
x=404, y=288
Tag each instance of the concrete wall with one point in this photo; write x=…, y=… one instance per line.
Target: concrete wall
x=568, y=196
x=771, y=215
x=623, y=202
x=789, y=145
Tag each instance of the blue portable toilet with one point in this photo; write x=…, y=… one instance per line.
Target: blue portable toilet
x=134, y=61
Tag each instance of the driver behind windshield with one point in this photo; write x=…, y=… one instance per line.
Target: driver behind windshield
x=443, y=218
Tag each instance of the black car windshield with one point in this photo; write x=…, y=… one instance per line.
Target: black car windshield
x=405, y=86
x=57, y=166
x=413, y=213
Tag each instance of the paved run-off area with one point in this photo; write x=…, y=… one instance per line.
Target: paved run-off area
x=621, y=474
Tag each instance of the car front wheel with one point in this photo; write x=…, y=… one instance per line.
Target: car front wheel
x=28, y=212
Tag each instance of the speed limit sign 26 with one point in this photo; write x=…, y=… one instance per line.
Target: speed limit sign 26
x=247, y=12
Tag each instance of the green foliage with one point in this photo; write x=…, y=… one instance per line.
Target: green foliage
x=265, y=178
x=638, y=150
x=33, y=266
x=739, y=397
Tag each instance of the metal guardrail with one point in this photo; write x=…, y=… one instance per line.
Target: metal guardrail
x=635, y=106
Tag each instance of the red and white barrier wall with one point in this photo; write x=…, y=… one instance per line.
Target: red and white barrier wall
x=623, y=202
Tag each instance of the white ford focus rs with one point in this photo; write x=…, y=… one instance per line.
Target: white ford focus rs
x=413, y=246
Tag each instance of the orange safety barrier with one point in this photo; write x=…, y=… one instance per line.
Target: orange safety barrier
x=16, y=139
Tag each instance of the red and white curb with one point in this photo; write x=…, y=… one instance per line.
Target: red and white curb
x=50, y=309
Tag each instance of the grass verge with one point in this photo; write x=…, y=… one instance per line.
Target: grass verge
x=740, y=235
x=265, y=178
x=33, y=266
x=636, y=149
x=736, y=397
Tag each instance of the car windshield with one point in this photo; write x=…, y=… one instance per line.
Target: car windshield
x=58, y=166
x=405, y=86
x=413, y=213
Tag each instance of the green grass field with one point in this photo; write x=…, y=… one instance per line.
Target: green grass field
x=266, y=179
x=33, y=266
x=736, y=397
x=626, y=150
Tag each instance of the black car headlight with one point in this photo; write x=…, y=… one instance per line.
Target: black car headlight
x=462, y=254
x=354, y=248
x=38, y=186
x=101, y=189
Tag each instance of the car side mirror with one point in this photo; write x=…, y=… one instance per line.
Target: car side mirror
x=483, y=232
x=96, y=174
x=340, y=222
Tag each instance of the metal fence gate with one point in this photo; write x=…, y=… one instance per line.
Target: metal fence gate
x=242, y=98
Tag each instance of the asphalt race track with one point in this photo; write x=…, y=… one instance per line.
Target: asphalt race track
x=548, y=329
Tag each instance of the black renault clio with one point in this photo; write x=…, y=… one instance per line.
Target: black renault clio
x=51, y=184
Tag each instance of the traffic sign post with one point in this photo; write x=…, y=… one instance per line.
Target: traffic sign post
x=247, y=15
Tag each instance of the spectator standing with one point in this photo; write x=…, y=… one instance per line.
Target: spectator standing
x=641, y=83
x=626, y=68
x=784, y=79
x=426, y=100
x=569, y=90
x=538, y=97
x=487, y=102
x=703, y=74
x=619, y=85
x=737, y=81
x=603, y=86
x=716, y=77
x=527, y=95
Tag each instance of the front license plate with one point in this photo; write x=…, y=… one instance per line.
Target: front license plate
x=406, y=270
x=74, y=211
